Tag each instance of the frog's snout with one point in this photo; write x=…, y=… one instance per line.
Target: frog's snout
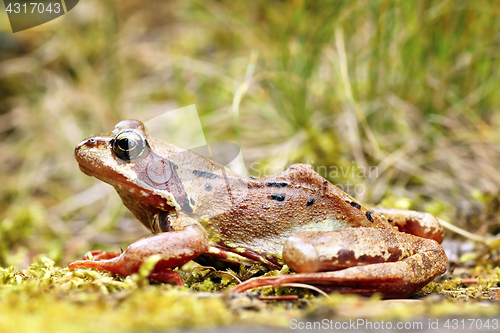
x=89, y=152
x=80, y=157
x=78, y=150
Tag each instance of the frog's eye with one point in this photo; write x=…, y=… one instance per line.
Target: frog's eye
x=129, y=145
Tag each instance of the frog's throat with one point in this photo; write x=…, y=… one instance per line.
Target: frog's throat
x=152, y=217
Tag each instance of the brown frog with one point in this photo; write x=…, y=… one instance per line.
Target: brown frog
x=200, y=210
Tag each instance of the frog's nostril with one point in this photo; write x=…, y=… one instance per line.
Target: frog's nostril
x=91, y=142
x=82, y=149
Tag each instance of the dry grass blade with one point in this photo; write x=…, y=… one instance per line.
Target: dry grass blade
x=465, y=233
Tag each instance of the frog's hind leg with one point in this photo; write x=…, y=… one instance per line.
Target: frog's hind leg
x=359, y=260
x=412, y=222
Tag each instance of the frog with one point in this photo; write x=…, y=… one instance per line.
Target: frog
x=199, y=210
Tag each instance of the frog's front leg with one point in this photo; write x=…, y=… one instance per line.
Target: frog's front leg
x=359, y=260
x=175, y=249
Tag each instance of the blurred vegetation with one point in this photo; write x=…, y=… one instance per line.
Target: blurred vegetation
x=407, y=87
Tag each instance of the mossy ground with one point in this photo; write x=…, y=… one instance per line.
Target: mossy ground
x=407, y=89
x=48, y=298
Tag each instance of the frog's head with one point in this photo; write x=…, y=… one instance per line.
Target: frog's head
x=125, y=159
x=112, y=156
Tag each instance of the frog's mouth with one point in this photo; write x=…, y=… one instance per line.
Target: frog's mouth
x=111, y=179
x=95, y=159
x=91, y=173
x=85, y=170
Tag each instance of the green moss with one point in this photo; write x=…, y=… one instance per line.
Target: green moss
x=451, y=284
x=430, y=288
x=85, y=300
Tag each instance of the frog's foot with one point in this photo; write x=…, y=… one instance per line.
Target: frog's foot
x=359, y=260
x=113, y=266
x=175, y=249
x=100, y=255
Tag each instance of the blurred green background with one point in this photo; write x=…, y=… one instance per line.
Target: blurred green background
x=406, y=87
